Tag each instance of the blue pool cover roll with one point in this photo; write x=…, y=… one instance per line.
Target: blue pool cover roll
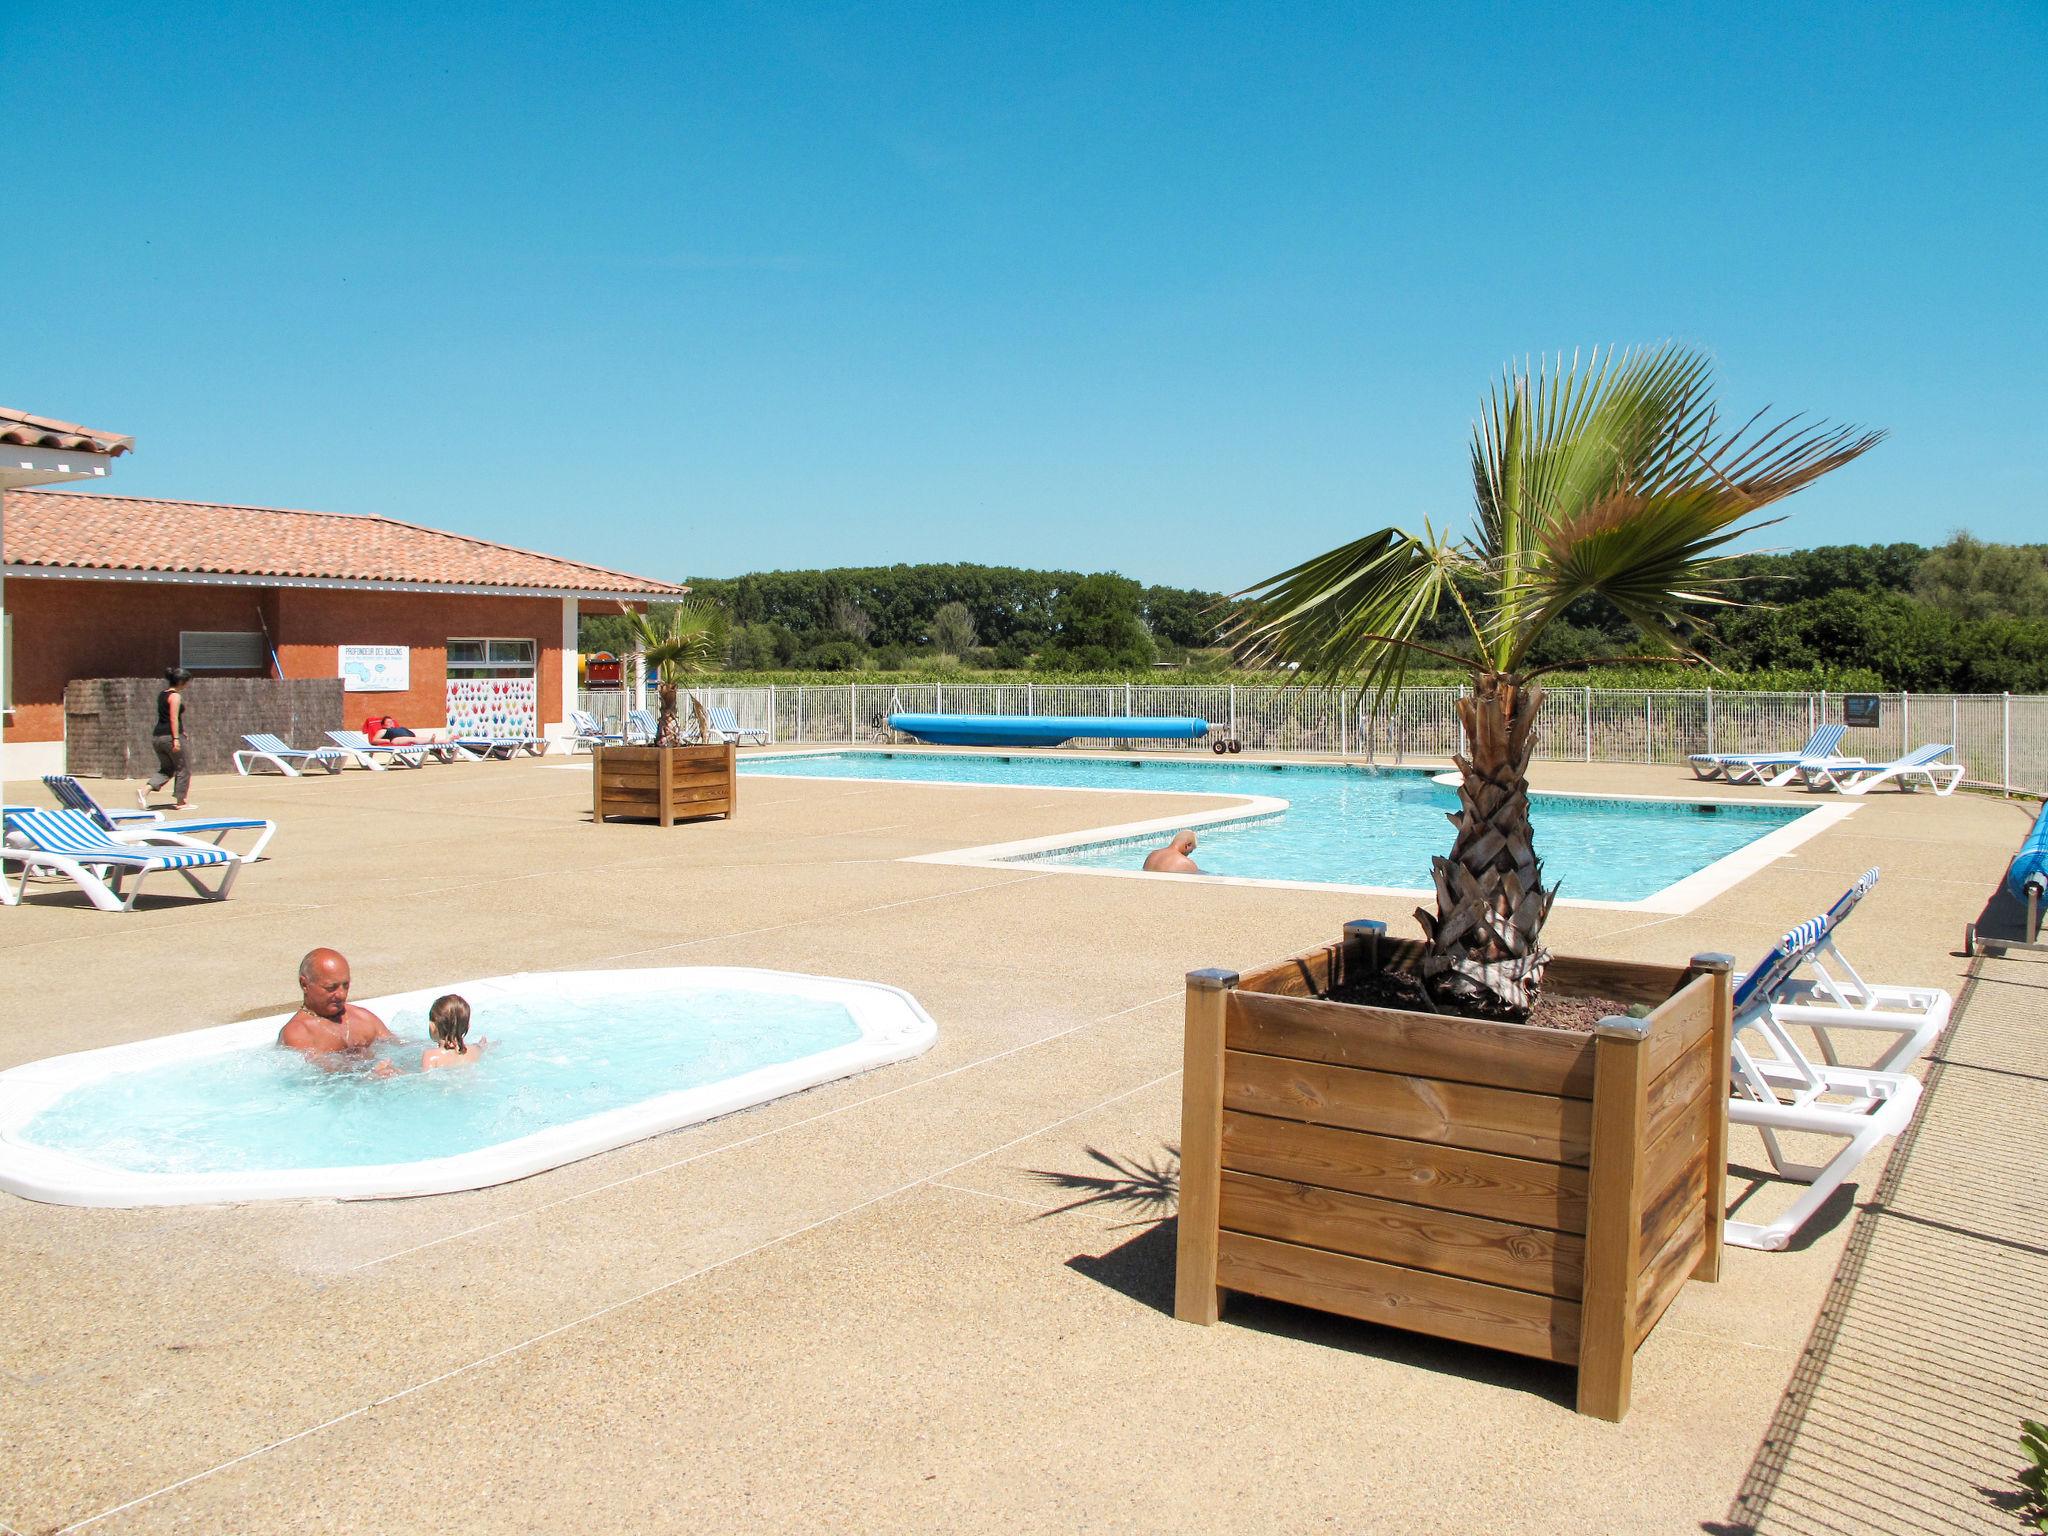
x=1044, y=730
x=2030, y=864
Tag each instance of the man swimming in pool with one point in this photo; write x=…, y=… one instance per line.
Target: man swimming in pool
x=1173, y=858
x=332, y=1032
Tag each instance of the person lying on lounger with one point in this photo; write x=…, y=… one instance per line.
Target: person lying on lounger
x=1174, y=858
x=333, y=1033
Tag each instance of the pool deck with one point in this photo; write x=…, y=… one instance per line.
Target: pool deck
x=931, y=1297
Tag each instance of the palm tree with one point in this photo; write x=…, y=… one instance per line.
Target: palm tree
x=684, y=644
x=1611, y=480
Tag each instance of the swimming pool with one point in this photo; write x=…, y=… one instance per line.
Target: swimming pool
x=1353, y=826
x=579, y=1062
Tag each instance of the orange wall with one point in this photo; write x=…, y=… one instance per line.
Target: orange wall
x=313, y=625
x=71, y=629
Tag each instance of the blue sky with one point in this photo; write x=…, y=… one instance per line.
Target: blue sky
x=1187, y=291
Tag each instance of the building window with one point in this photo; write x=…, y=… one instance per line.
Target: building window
x=223, y=650
x=490, y=658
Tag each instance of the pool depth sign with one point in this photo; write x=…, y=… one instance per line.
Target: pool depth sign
x=375, y=668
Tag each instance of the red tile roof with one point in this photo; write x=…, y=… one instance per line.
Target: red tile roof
x=28, y=431
x=69, y=530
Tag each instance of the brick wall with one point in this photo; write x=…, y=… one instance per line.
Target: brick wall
x=109, y=720
x=66, y=630
x=72, y=629
x=313, y=625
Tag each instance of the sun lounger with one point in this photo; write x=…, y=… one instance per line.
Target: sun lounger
x=503, y=748
x=642, y=726
x=1776, y=1087
x=1772, y=768
x=1822, y=991
x=1858, y=777
x=149, y=827
x=589, y=734
x=725, y=721
x=72, y=844
x=289, y=761
x=374, y=754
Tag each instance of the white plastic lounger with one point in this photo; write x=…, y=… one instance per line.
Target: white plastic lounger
x=589, y=734
x=503, y=748
x=1802, y=990
x=726, y=722
x=1783, y=1090
x=1858, y=777
x=374, y=755
x=72, y=844
x=150, y=827
x=642, y=726
x=289, y=761
x=1773, y=768
x=1879, y=1104
x=1816, y=997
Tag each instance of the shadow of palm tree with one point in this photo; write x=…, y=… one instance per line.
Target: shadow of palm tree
x=1149, y=1189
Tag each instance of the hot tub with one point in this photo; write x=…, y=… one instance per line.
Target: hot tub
x=580, y=1062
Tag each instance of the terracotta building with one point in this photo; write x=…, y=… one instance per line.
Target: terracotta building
x=432, y=628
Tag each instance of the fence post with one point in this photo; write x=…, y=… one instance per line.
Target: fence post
x=1906, y=722
x=1710, y=721
x=1233, y=711
x=2005, y=761
x=1127, y=701
x=1589, y=722
x=1343, y=727
x=799, y=713
x=1649, y=729
x=771, y=712
x=853, y=711
x=1027, y=699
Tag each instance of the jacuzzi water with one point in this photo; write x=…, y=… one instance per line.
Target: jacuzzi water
x=548, y=1062
x=1346, y=824
x=579, y=1062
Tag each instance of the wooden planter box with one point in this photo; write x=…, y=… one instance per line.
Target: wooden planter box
x=1533, y=1190
x=664, y=784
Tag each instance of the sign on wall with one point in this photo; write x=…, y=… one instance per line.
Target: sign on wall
x=376, y=668
x=1862, y=710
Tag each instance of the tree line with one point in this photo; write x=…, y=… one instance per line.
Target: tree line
x=1965, y=616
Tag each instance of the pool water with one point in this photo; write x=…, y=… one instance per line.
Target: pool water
x=1345, y=824
x=552, y=1060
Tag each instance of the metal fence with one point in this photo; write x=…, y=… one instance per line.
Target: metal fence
x=2002, y=739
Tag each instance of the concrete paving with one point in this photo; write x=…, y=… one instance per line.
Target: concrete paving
x=897, y=1301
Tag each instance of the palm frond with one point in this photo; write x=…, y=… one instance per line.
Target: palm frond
x=685, y=643
x=1352, y=615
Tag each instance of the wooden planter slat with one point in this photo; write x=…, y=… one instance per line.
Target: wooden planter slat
x=1673, y=1096
x=1390, y=1040
x=1664, y=1275
x=1420, y=1108
x=664, y=784
x=1468, y=1247
x=1446, y=1178
x=1668, y=1208
x=1492, y=1315
x=1540, y=1191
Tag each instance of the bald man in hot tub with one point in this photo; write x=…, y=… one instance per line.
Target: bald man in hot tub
x=334, y=1033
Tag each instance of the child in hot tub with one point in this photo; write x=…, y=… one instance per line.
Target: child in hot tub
x=448, y=1023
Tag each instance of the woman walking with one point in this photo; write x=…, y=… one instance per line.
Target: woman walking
x=172, y=763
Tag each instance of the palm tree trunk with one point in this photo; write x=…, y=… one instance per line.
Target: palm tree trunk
x=668, y=729
x=1484, y=937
